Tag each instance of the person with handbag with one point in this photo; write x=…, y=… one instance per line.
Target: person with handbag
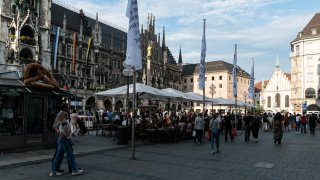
x=63, y=128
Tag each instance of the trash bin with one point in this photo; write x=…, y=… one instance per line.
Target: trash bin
x=122, y=135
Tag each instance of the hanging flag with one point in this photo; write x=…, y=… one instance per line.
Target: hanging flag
x=202, y=68
x=74, y=52
x=251, y=84
x=88, y=51
x=234, y=71
x=133, y=54
x=56, y=43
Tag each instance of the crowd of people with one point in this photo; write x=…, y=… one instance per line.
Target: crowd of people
x=200, y=126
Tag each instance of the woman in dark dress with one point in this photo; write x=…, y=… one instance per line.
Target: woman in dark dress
x=277, y=133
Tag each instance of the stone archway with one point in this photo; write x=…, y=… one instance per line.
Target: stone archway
x=90, y=103
x=107, y=104
x=119, y=106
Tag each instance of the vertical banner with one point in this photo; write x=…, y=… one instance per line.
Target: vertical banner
x=202, y=68
x=234, y=71
x=74, y=52
x=88, y=51
x=133, y=54
x=56, y=43
x=251, y=85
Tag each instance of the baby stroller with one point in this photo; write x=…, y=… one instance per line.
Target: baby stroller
x=83, y=129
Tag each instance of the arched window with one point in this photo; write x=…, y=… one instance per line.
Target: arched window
x=269, y=101
x=27, y=35
x=26, y=56
x=277, y=100
x=287, y=101
x=310, y=93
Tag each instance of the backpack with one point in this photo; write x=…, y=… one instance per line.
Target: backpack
x=214, y=126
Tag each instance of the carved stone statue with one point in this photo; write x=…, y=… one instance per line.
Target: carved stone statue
x=149, y=49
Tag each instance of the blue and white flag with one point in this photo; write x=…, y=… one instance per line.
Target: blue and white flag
x=234, y=72
x=56, y=43
x=133, y=54
x=251, y=85
x=202, y=68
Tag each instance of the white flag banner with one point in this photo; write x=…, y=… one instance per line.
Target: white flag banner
x=202, y=68
x=234, y=71
x=251, y=85
x=133, y=54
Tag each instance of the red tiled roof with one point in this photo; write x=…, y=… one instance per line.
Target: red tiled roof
x=258, y=86
x=288, y=76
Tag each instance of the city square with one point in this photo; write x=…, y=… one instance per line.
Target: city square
x=128, y=89
x=295, y=158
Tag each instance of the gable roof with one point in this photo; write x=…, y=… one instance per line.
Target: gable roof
x=314, y=23
x=213, y=66
x=258, y=86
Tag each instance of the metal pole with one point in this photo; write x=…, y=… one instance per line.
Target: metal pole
x=127, y=109
x=134, y=113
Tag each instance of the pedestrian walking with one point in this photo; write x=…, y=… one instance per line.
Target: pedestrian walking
x=256, y=124
x=303, y=122
x=312, y=123
x=214, y=127
x=199, y=127
x=278, y=124
x=228, y=127
x=63, y=108
x=74, y=121
x=64, y=146
x=247, y=126
x=298, y=123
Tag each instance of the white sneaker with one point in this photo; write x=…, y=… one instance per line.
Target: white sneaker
x=80, y=171
x=55, y=174
x=212, y=151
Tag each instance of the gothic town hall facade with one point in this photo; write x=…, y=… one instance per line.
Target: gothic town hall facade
x=89, y=53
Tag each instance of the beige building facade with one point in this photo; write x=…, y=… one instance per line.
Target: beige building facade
x=219, y=75
x=305, y=68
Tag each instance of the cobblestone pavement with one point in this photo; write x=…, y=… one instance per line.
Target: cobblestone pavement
x=296, y=158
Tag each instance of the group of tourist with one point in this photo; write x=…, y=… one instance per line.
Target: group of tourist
x=212, y=126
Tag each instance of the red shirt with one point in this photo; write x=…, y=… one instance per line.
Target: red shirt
x=303, y=119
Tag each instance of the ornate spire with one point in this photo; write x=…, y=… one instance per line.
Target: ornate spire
x=180, y=57
x=163, y=40
x=277, y=63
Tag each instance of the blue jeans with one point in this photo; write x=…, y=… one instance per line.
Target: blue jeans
x=214, y=137
x=64, y=145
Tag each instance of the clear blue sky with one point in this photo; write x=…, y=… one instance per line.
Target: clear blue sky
x=262, y=29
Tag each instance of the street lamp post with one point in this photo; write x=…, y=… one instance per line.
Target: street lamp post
x=128, y=72
x=212, y=92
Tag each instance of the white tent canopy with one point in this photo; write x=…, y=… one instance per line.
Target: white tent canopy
x=178, y=95
x=199, y=97
x=141, y=89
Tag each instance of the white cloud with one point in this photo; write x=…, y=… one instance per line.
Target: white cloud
x=259, y=31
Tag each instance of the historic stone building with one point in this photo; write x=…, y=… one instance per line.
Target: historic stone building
x=305, y=68
x=84, y=53
x=274, y=95
x=219, y=75
x=25, y=33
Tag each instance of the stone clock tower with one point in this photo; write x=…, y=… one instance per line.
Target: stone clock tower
x=25, y=33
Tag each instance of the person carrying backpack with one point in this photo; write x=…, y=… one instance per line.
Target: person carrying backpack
x=214, y=127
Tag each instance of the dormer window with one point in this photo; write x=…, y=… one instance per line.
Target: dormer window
x=313, y=31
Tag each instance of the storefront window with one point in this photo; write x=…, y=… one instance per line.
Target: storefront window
x=11, y=113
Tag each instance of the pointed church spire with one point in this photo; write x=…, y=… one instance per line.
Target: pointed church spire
x=277, y=63
x=180, y=57
x=163, y=40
